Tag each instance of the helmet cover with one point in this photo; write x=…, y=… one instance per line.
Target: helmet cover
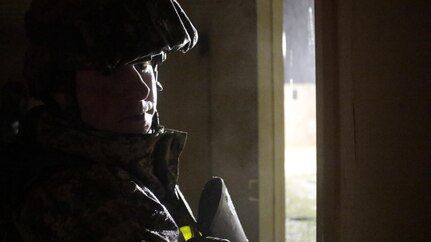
x=101, y=34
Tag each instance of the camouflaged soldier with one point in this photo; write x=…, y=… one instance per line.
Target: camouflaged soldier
x=93, y=163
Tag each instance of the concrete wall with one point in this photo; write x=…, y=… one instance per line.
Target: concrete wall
x=373, y=87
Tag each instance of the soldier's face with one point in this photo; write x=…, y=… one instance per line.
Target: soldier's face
x=123, y=101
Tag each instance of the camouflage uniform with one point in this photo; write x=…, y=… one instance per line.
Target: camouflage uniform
x=80, y=184
x=105, y=187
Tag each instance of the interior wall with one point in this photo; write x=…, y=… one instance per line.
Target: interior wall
x=373, y=87
x=12, y=39
x=211, y=92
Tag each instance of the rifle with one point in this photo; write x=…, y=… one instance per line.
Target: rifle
x=216, y=214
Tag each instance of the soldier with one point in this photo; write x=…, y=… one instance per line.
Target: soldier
x=93, y=162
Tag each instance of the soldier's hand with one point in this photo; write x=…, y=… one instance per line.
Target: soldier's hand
x=207, y=239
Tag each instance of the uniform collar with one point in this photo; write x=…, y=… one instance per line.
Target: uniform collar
x=151, y=158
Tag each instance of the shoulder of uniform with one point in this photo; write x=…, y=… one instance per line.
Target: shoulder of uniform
x=94, y=202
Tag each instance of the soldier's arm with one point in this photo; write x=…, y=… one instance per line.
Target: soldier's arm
x=93, y=205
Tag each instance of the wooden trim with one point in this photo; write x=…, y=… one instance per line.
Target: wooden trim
x=328, y=120
x=270, y=120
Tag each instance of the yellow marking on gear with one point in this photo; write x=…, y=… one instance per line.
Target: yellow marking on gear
x=187, y=232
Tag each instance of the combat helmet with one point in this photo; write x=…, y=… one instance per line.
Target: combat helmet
x=68, y=35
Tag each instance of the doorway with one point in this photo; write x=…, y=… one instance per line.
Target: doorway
x=300, y=120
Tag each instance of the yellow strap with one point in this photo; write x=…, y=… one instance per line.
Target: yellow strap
x=187, y=232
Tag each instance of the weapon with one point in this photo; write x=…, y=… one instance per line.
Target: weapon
x=184, y=218
x=216, y=214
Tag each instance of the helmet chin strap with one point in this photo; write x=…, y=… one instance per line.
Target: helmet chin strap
x=155, y=125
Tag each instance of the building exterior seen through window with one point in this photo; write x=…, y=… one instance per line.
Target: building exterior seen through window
x=300, y=120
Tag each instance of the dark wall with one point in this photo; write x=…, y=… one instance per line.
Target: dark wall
x=211, y=92
x=12, y=39
x=374, y=84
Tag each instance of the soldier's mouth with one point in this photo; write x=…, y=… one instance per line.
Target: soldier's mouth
x=147, y=109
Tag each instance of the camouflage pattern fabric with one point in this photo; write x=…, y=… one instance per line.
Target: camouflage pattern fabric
x=118, y=196
x=100, y=34
x=69, y=35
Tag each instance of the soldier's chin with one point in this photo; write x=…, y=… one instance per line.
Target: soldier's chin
x=135, y=125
